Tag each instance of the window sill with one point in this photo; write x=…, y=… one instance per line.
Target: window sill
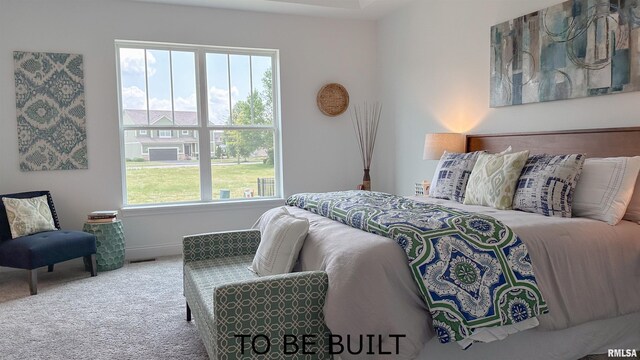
x=196, y=207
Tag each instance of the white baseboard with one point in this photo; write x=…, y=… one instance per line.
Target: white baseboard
x=65, y=264
x=138, y=253
x=149, y=252
x=8, y=269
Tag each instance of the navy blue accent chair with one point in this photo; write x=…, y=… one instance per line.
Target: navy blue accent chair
x=45, y=248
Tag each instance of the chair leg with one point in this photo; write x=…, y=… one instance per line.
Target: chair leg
x=94, y=266
x=50, y=268
x=33, y=281
x=188, y=312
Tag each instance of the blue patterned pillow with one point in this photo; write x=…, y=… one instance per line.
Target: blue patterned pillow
x=547, y=183
x=452, y=174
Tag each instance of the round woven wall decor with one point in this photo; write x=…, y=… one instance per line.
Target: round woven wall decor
x=333, y=99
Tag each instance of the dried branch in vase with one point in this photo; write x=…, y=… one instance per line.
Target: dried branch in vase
x=365, y=121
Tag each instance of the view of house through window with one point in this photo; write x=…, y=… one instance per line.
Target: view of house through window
x=179, y=103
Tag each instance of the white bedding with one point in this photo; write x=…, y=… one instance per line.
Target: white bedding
x=594, y=337
x=365, y=297
x=587, y=270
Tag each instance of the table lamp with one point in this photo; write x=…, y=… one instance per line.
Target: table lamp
x=436, y=144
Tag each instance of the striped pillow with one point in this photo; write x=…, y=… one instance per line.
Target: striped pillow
x=547, y=183
x=452, y=174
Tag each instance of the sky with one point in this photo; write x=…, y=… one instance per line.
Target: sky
x=159, y=66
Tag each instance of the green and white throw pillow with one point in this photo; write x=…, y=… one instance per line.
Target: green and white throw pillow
x=494, y=178
x=28, y=216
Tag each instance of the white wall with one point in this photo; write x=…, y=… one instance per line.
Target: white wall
x=320, y=153
x=434, y=77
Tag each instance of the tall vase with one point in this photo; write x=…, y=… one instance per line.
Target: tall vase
x=366, y=180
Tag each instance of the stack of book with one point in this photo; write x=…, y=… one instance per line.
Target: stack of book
x=100, y=217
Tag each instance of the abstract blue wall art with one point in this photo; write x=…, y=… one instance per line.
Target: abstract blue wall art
x=50, y=110
x=575, y=49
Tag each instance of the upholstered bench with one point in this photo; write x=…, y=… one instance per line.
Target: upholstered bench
x=242, y=316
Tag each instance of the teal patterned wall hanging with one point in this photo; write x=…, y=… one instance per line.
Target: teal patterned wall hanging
x=578, y=48
x=51, y=111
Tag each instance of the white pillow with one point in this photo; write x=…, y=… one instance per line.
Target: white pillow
x=633, y=210
x=605, y=188
x=28, y=216
x=265, y=218
x=280, y=243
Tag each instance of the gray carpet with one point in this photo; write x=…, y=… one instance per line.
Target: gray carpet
x=136, y=312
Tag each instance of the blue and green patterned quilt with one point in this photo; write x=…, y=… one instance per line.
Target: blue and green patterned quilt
x=472, y=270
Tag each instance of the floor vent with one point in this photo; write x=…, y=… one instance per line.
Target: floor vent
x=141, y=261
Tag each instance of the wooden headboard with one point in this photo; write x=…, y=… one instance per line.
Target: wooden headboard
x=593, y=142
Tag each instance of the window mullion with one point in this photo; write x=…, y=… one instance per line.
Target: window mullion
x=173, y=110
x=205, y=136
x=253, y=119
x=229, y=81
x=146, y=85
x=248, y=127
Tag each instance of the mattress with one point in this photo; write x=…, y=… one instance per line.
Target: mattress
x=587, y=270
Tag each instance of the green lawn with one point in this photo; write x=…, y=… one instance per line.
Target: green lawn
x=162, y=184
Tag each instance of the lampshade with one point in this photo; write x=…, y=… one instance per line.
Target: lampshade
x=436, y=144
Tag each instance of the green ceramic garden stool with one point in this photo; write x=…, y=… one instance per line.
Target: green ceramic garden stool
x=110, y=244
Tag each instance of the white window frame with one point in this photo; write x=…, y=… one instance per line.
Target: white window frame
x=162, y=134
x=202, y=131
x=185, y=132
x=142, y=132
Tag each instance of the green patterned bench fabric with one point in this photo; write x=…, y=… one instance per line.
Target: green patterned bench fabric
x=227, y=299
x=204, y=276
x=221, y=244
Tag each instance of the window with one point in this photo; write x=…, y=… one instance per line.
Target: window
x=223, y=99
x=164, y=134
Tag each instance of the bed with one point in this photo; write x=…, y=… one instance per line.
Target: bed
x=588, y=271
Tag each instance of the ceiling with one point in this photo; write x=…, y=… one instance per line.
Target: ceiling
x=357, y=9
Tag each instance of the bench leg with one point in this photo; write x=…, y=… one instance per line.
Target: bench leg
x=33, y=281
x=50, y=268
x=188, y=312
